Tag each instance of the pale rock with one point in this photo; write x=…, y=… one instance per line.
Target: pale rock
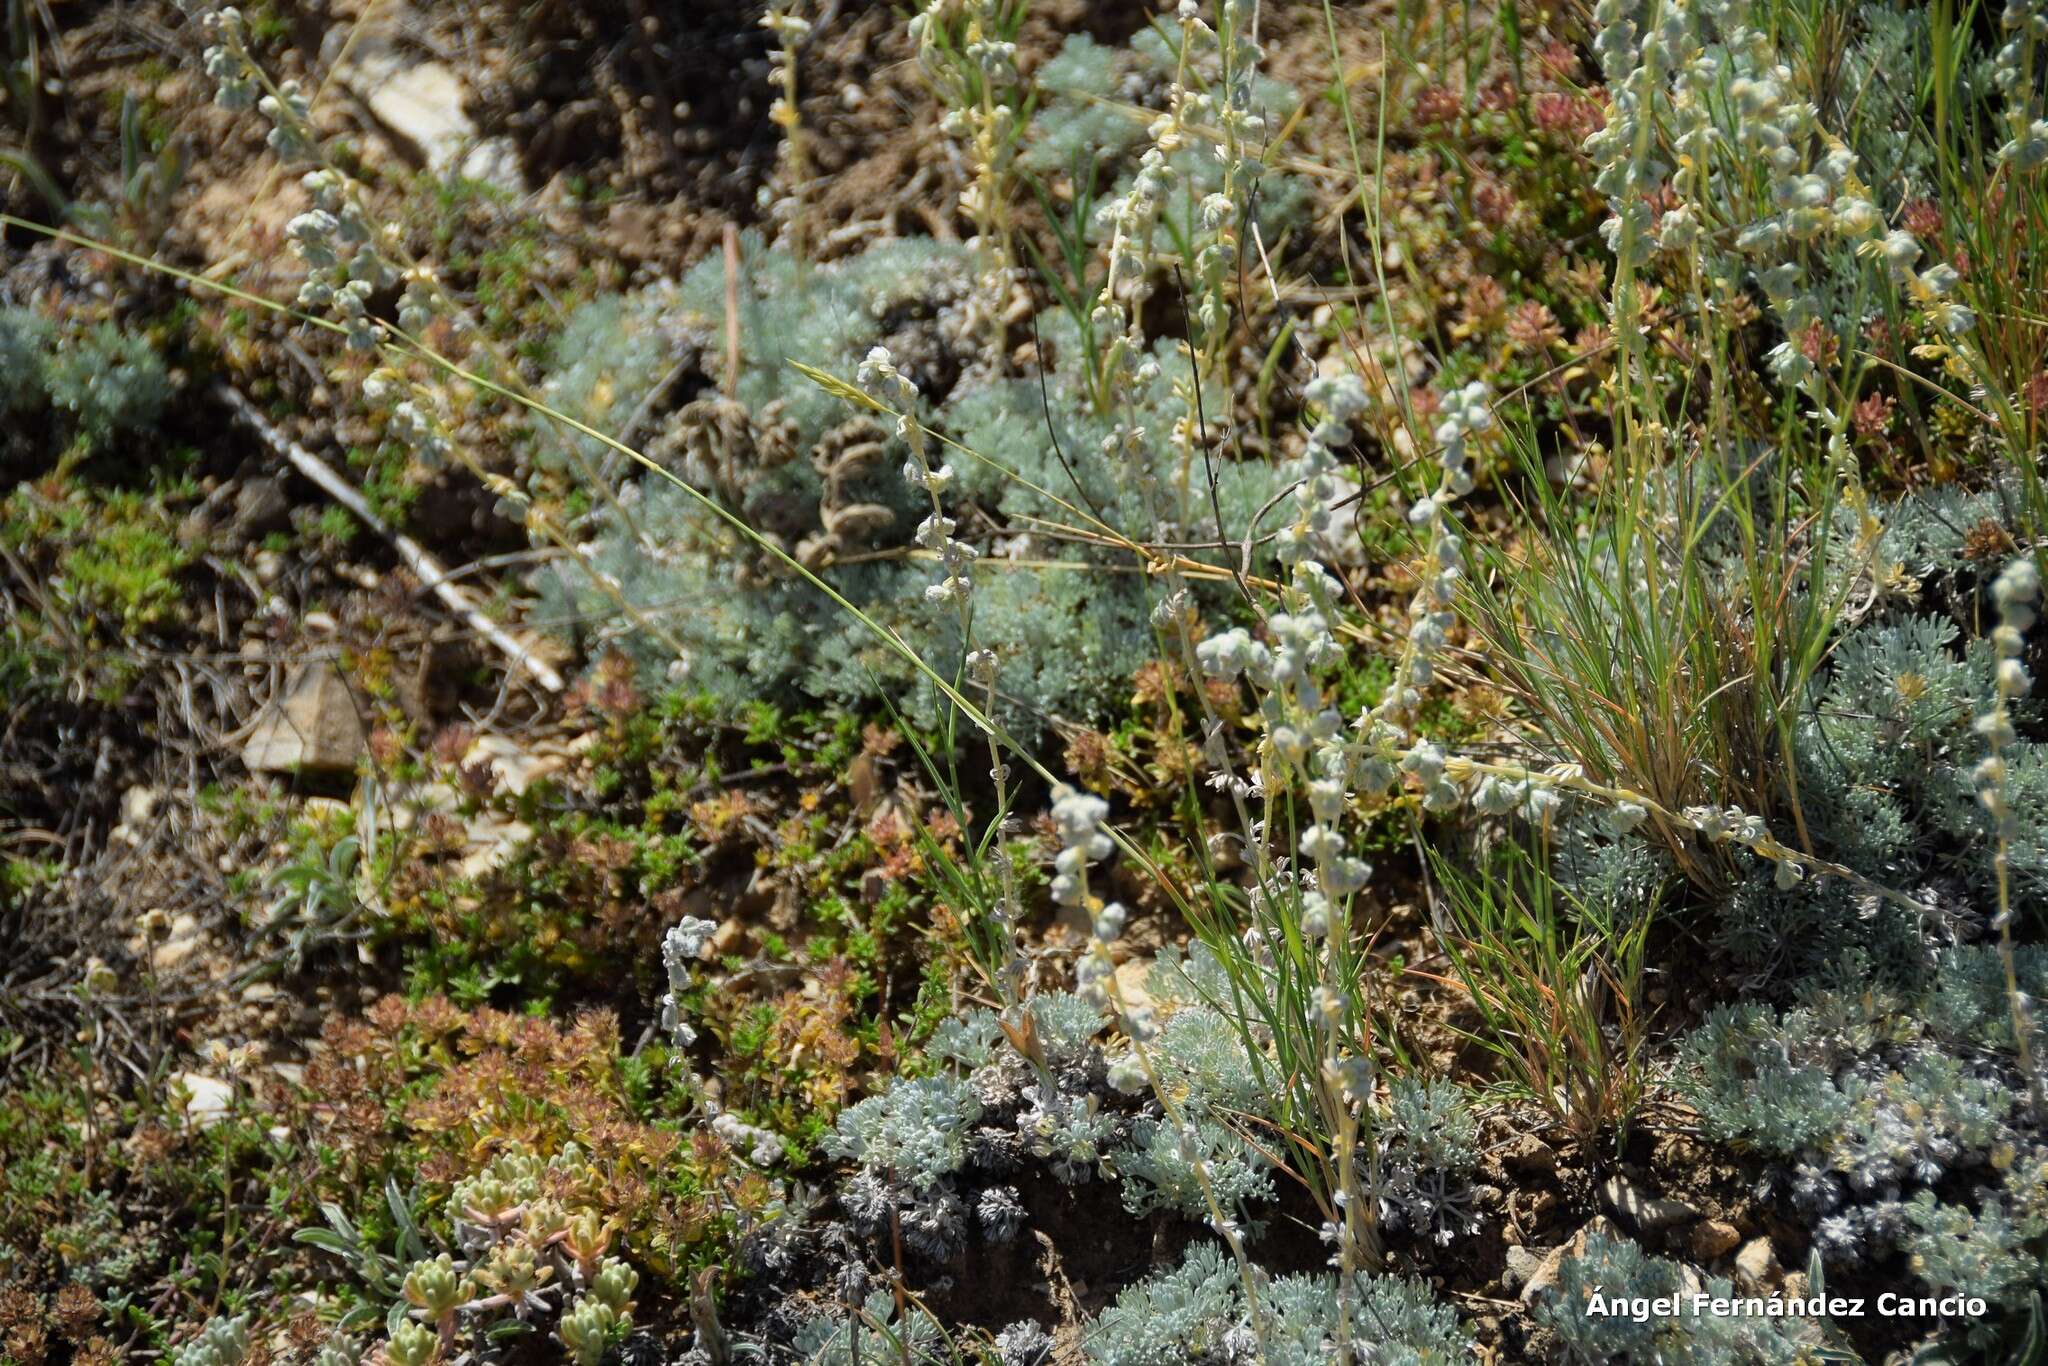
x=495, y=161
x=1646, y=1213
x=1715, y=1238
x=514, y=768
x=1756, y=1266
x=1521, y=1266
x=138, y=804
x=491, y=841
x=180, y=944
x=314, y=728
x=1130, y=983
x=1545, y=1275
x=425, y=799
x=261, y=505
x=423, y=103
x=203, y=1099
x=726, y=939
x=1530, y=1154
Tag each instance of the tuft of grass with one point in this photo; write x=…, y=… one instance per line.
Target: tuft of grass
x=1556, y=982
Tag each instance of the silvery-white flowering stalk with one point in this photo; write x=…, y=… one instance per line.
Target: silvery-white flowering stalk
x=982, y=665
x=2015, y=592
x=1079, y=820
x=1307, y=901
x=879, y=376
x=1707, y=81
x=1133, y=218
x=968, y=51
x=1215, y=245
x=1388, y=727
x=1077, y=817
x=227, y=60
x=1238, y=125
x=1711, y=84
x=1541, y=792
x=348, y=260
x=2012, y=70
x=681, y=947
x=1341, y=400
x=237, y=78
x=790, y=30
x=290, y=114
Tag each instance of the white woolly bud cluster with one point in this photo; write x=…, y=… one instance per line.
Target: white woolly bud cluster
x=421, y=434
x=1467, y=413
x=879, y=376
x=681, y=947
x=1127, y=1074
x=1342, y=400
x=786, y=26
x=2014, y=592
x=1303, y=732
x=335, y=240
x=418, y=304
x=888, y=385
x=1734, y=111
x=2012, y=70
x=763, y=1147
x=968, y=52
x=227, y=54
x=1078, y=817
x=1732, y=825
x=290, y=114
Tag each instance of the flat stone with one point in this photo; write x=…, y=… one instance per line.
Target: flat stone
x=1715, y=1238
x=1131, y=976
x=314, y=728
x=1544, y=1277
x=1646, y=1213
x=491, y=842
x=325, y=808
x=261, y=505
x=1756, y=1266
x=1521, y=1267
x=727, y=938
x=423, y=104
x=180, y=944
x=1530, y=1154
x=514, y=768
x=138, y=804
x=205, y=1099
x=495, y=161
